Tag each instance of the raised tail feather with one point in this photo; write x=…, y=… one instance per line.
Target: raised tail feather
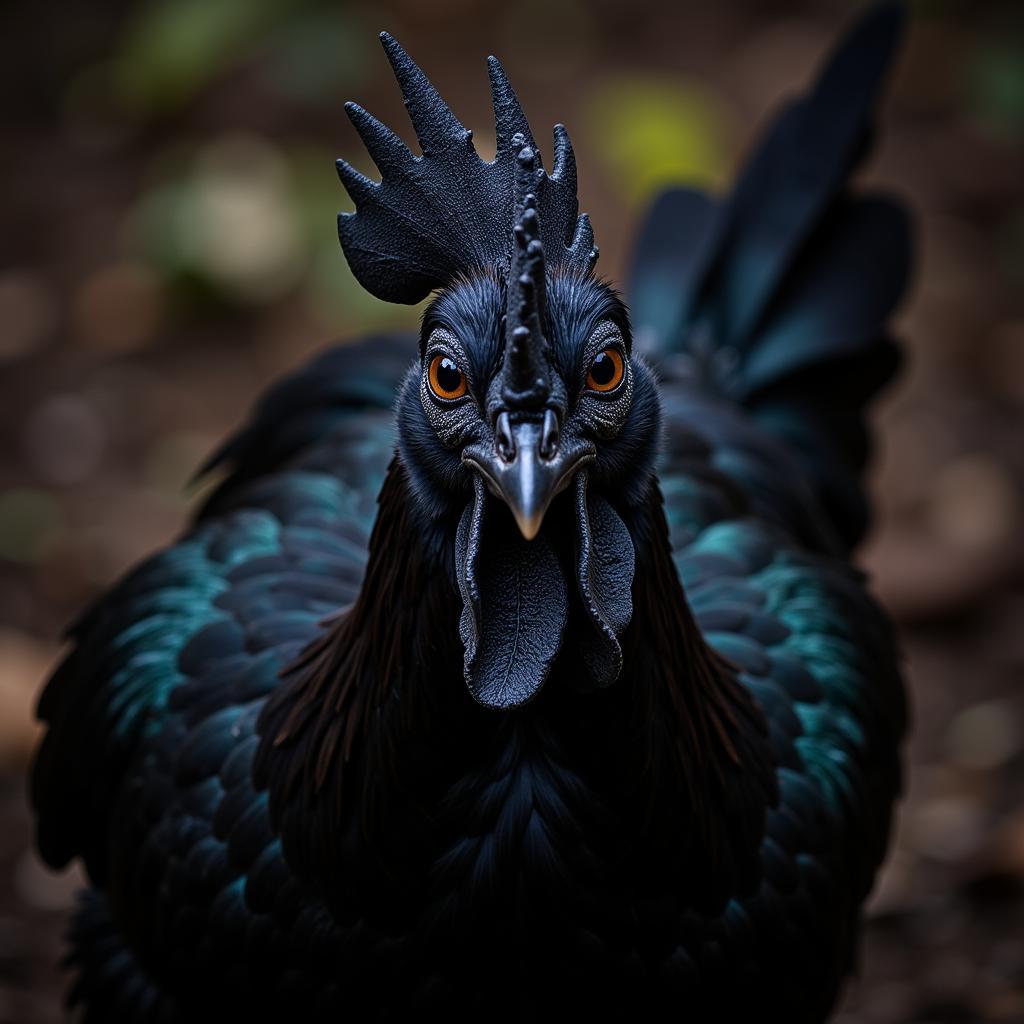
x=778, y=296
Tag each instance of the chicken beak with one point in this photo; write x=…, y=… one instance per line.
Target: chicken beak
x=526, y=484
x=528, y=466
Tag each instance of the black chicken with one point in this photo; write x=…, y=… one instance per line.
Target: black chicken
x=550, y=691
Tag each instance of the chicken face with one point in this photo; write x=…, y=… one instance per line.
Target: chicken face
x=543, y=488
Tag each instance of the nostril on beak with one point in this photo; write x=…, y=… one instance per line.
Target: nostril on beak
x=504, y=443
x=550, y=435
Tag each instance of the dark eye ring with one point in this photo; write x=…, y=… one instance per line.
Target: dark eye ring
x=606, y=371
x=446, y=380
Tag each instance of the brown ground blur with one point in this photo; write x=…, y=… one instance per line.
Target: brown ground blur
x=168, y=248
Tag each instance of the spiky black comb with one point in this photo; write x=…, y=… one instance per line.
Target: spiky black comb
x=435, y=216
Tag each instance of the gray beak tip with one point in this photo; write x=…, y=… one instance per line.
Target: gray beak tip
x=529, y=525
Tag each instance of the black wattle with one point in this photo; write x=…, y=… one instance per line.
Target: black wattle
x=604, y=577
x=515, y=605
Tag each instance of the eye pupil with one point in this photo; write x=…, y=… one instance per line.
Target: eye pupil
x=603, y=370
x=448, y=375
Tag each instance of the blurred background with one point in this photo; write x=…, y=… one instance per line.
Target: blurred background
x=168, y=247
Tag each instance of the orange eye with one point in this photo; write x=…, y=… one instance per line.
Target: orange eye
x=606, y=371
x=447, y=381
